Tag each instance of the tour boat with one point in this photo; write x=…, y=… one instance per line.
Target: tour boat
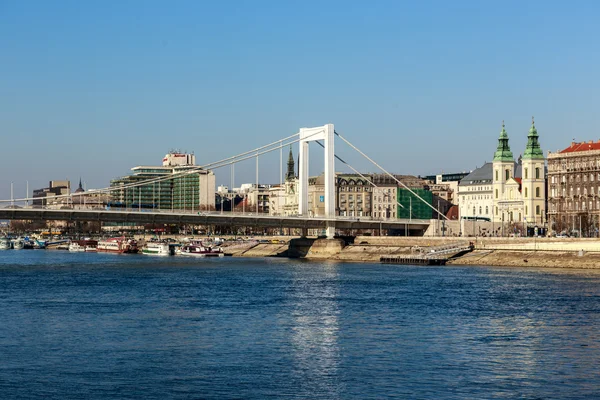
x=118, y=245
x=5, y=243
x=198, y=249
x=158, y=249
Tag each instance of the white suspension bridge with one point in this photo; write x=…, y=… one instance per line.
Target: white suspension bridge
x=323, y=135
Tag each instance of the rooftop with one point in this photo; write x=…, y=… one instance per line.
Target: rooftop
x=583, y=146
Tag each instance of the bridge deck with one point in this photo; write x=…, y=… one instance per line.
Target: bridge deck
x=211, y=218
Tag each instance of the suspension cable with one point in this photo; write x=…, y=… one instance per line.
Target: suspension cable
x=362, y=176
x=390, y=175
x=214, y=165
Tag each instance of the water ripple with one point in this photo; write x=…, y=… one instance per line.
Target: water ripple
x=106, y=326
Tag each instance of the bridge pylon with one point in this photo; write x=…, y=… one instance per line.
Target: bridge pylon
x=325, y=133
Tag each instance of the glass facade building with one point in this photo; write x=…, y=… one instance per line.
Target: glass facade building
x=184, y=191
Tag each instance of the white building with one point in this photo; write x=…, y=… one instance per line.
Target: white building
x=475, y=194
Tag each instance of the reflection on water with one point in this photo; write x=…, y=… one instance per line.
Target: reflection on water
x=109, y=326
x=315, y=312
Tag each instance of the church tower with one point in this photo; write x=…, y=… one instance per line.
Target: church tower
x=290, y=205
x=534, y=194
x=291, y=173
x=503, y=170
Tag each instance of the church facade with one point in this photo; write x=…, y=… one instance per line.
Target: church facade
x=505, y=191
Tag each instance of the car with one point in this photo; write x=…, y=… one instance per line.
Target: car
x=562, y=235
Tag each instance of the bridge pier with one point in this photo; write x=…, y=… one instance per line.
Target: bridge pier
x=330, y=231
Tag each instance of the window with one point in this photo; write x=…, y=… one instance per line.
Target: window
x=537, y=210
x=497, y=192
x=525, y=173
x=525, y=192
x=526, y=210
x=507, y=174
x=480, y=210
x=496, y=174
x=537, y=192
x=473, y=210
x=486, y=210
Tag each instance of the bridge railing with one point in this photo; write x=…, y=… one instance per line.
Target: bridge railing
x=213, y=213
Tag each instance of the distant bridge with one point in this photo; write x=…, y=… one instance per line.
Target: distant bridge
x=328, y=222
x=209, y=218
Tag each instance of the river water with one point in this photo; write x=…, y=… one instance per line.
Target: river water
x=103, y=326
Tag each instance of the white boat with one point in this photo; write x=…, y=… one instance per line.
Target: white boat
x=18, y=243
x=5, y=243
x=198, y=249
x=76, y=247
x=158, y=249
x=85, y=245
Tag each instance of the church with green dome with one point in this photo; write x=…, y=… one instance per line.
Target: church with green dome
x=519, y=188
x=506, y=192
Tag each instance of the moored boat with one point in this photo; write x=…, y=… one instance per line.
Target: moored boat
x=118, y=245
x=85, y=245
x=198, y=249
x=5, y=243
x=158, y=249
x=18, y=244
x=76, y=247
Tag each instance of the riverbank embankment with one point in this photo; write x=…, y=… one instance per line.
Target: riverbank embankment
x=510, y=252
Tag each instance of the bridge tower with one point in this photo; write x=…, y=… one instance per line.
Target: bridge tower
x=326, y=134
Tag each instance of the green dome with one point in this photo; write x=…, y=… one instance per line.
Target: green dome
x=533, y=151
x=503, y=152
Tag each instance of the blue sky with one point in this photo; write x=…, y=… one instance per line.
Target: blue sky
x=93, y=88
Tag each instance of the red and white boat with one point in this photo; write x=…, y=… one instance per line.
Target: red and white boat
x=199, y=249
x=118, y=245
